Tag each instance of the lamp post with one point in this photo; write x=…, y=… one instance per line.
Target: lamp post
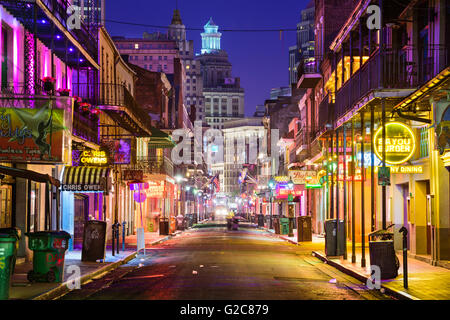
x=272, y=186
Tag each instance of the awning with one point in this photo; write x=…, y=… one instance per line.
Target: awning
x=29, y=175
x=86, y=179
x=160, y=139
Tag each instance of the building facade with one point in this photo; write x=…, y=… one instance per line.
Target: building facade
x=224, y=97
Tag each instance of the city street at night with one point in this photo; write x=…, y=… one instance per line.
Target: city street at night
x=216, y=158
x=216, y=264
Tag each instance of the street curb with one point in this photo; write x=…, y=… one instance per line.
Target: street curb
x=395, y=293
x=63, y=288
x=280, y=236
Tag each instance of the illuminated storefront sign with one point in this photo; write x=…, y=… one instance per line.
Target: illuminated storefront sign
x=92, y=157
x=404, y=169
x=303, y=177
x=156, y=190
x=283, y=192
x=400, y=143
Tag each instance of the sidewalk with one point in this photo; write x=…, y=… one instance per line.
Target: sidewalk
x=22, y=289
x=425, y=282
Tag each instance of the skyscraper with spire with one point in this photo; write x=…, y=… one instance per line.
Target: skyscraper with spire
x=224, y=97
x=193, y=83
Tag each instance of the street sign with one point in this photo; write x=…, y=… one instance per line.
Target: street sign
x=384, y=176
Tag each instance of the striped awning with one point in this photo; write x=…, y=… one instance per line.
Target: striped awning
x=86, y=179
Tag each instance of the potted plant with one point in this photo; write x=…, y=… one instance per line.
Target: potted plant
x=49, y=84
x=76, y=103
x=64, y=92
x=85, y=108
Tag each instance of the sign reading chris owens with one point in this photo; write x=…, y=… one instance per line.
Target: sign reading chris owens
x=213, y=141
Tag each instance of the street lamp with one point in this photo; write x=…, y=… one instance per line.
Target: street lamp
x=272, y=186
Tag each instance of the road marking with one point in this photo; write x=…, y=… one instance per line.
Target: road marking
x=144, y=277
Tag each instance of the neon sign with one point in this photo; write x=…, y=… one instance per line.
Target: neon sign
x=404, y=169
x=93, y=158
x=400, y=143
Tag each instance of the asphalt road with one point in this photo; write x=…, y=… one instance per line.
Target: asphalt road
x=216, y=264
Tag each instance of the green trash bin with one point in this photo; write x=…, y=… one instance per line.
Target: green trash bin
x=49, y=248
x=8, y=251
x=284, y=226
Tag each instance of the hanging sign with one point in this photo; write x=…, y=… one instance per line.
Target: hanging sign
x=93, y=158
x=132, y=175
x=303, y=177
x=400, y=143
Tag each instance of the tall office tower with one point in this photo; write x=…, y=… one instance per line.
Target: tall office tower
x=224, y=97
x=92, y=11
x=304, y=48
x=193, y=83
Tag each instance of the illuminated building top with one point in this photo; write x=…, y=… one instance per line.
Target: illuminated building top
x=211, y=37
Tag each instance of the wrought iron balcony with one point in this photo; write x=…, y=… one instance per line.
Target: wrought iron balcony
x=85, y=126
x=309, y=73
x=155, y=165
x=326, y=113
x=48, y=21
x=118, y=102
x=393, y=69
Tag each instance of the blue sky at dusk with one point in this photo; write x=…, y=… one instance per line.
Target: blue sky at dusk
x=259, y=59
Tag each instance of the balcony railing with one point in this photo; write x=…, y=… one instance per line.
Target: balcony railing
x=23, y=10
x=308, y=72
x=393, y=69
x=155, y=165
x=85, y=126
x=326, y=112
x=109, y=94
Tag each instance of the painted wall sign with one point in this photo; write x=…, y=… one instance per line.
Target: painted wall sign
x=31, y=135
x=400, y=143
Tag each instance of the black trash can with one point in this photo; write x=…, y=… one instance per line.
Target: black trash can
x=382, y=253
x=164, y=226
x=260, y=220
x=304, y=229
x=276, y=225
x=94, y=241
x=331, y=237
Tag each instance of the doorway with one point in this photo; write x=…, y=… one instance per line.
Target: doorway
x=5, y=206
x=81, y=209
x=406, y=209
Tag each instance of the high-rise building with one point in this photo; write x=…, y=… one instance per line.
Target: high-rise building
x=193, y=83
x=224, y=97
x=242, y=146
x=92, y=12
x=304, y=48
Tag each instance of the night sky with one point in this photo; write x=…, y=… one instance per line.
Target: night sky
x=260, y=59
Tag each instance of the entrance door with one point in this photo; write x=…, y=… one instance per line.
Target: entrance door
x=5, y=206
x=81, y=207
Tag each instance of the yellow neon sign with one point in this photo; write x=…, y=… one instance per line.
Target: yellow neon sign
x=404, y=169
x=94, y=157
x=400, y=143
